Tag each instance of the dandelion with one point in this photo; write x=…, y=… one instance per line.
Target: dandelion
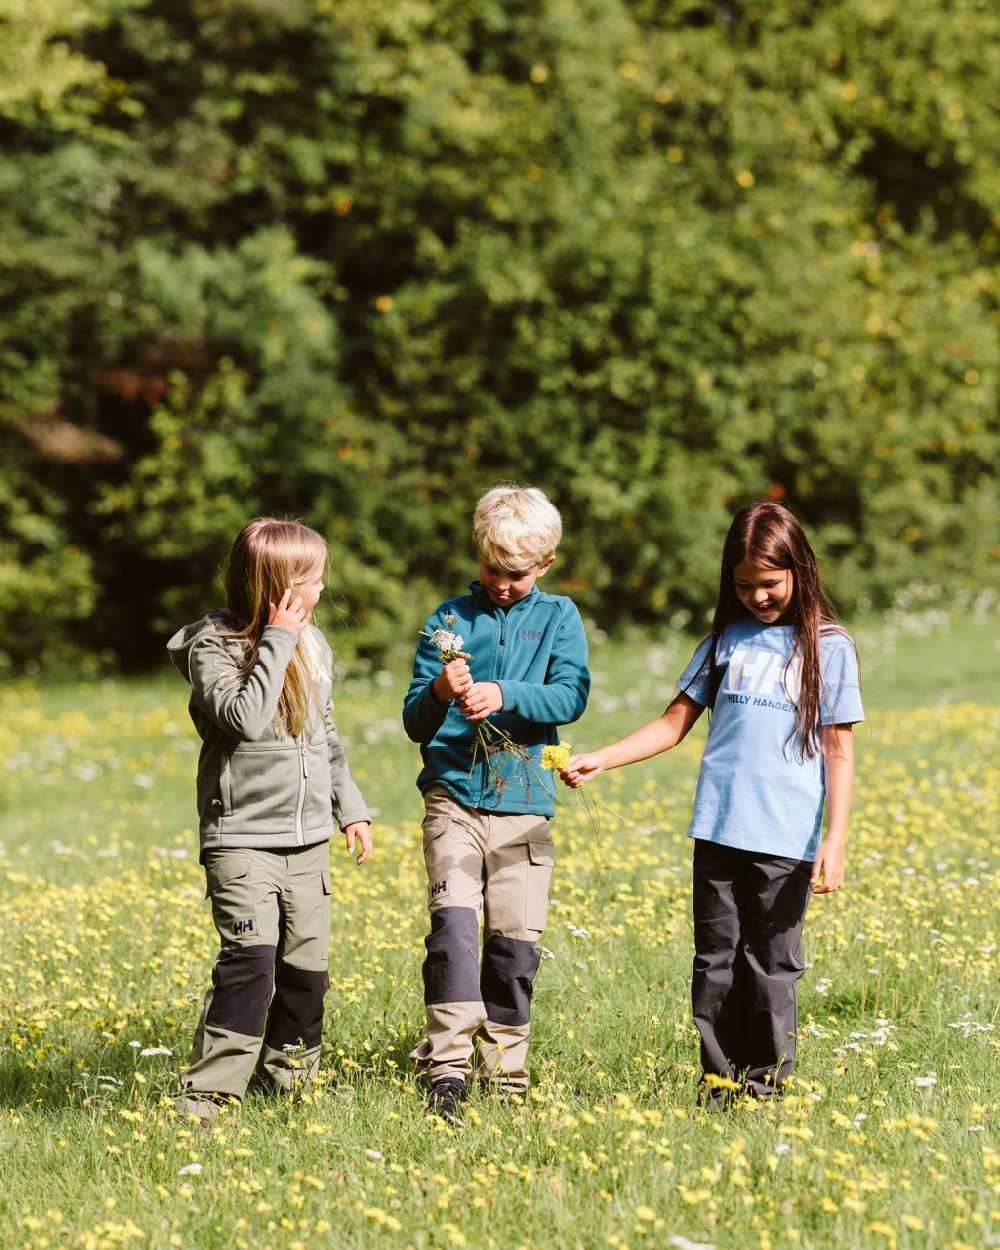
x=556, y=757
x=925, y=1082
x=714, y=1081
x=191, y=1169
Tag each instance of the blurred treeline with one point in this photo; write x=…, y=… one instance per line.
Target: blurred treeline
x=355, y=260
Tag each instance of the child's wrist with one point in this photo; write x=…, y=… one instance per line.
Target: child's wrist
x=274, y=627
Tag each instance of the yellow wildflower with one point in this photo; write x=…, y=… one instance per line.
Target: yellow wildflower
x=556, y=757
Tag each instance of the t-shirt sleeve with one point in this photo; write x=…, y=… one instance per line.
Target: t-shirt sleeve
x=694, y=681
x=840, y=693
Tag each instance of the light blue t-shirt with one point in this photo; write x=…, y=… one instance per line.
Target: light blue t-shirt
x=754, y=791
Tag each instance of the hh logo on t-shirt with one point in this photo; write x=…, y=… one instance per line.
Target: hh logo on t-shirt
x=763, y=673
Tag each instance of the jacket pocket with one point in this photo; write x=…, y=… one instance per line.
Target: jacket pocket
x=263, y=788
x=318, y=812
x=541, y=859
x=225, y=787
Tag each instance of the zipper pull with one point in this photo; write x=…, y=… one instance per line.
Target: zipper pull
x=302, y=754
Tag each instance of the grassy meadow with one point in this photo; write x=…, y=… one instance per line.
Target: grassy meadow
x=888, y=1139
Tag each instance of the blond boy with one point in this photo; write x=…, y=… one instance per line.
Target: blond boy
x=486, y=833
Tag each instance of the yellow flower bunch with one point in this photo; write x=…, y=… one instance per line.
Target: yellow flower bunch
x=556, y=757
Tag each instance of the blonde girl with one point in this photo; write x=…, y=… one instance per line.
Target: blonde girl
x=273, y=782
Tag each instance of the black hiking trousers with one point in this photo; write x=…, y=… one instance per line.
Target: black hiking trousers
x=748, y=913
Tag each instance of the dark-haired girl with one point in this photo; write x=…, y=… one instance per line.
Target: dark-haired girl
x=781, y=679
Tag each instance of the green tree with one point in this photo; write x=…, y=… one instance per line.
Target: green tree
x=357, y=260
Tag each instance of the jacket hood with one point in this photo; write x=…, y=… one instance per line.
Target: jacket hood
x=179, y=647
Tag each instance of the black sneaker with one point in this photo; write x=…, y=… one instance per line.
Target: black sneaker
x=445, y=1098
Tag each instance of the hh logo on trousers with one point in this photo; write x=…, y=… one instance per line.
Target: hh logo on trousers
x=439, y=887
x=242, y=926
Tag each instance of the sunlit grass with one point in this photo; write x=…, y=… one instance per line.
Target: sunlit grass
x=889, y=1137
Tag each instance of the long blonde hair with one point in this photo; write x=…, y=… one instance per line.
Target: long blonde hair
x=267, y=558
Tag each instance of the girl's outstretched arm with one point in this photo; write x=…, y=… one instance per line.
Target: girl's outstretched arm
x=659, y=735
x=838, y=760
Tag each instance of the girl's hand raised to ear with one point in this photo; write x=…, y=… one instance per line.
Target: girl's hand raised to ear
x=582, y=768
x=289, y=613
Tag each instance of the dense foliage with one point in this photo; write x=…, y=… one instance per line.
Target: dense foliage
x=356, y=260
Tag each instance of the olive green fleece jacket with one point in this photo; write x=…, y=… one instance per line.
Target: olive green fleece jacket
x=256, y=788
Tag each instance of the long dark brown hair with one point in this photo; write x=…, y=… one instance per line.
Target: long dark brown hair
x=768, y=533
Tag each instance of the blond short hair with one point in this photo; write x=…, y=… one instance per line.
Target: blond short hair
x=515, y=527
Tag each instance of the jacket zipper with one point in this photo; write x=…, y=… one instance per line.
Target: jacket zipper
x=303, y=778
x=497, y=672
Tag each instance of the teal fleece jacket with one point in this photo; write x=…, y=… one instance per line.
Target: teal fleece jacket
x=536, y=652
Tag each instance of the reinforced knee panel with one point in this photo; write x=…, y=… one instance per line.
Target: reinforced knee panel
x=296, y=1013
x=508, y=976
x=451, y=969
x=242, y=984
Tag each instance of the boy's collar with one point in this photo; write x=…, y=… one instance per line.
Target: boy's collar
x=476, y=586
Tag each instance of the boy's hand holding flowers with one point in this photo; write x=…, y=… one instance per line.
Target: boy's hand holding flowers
x=453, y=680
x=480, y=699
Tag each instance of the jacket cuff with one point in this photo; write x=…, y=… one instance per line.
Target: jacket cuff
x=352, y=816
x=278, y=633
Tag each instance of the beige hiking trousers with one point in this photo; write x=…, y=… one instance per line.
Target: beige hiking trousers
x=265, y=1007
x=494, y=867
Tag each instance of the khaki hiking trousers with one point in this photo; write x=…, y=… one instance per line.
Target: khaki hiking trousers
x=496, y=867
x=265, y=1007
